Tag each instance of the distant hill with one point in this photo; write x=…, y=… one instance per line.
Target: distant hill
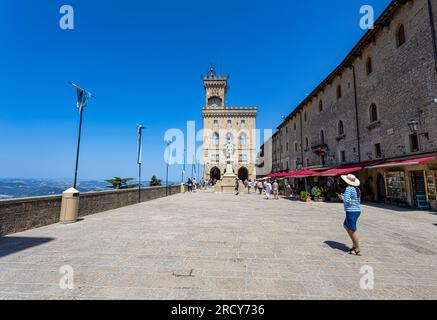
x=23, y=188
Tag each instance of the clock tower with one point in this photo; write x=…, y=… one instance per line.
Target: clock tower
x=216, y=88
x=229, y=135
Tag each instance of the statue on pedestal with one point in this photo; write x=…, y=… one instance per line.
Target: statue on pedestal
x=229, y=151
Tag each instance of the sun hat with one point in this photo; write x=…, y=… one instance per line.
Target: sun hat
x=351, y=180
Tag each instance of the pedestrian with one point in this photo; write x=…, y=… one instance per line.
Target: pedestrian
x=249, y=186
x=260, y=187
x=237, y=187
x=288, y=190
x=190, y=185
x=352, y=199
x=268, y=187
x=275, y=188
x=194, y=184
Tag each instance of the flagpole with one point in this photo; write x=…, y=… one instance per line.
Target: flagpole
x=168, y=143
x=140, y=162
x=81, y=104
x=78, y=148
x=183, y=167
x=192, y=169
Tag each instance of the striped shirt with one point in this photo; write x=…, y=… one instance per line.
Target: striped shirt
x=351, y=200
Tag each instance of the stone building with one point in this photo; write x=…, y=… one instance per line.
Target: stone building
x=379, y=104
x=229, y=133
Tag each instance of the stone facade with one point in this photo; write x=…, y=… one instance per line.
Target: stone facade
x=18, y=215
x=362, y=110
x=225, y=125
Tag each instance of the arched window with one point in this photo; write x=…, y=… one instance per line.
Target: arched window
x=243, y=139
x=305, y=117
x=322, y=137
x=339, y=92
x=306, y=143
x=400, y=35
x=215, y=139
x=373, y=112
x=369, y=66
x=340, y=128
x=320, y=106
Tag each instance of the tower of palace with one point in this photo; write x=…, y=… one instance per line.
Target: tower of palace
x=229, y=133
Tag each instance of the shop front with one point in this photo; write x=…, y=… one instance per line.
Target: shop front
x=410, y=182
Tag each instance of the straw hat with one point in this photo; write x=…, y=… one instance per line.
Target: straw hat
x=351, y=180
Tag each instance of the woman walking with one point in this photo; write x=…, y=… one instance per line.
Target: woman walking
x=237, y=187
x=275, y=188
x=352, y=200
x=260, y=187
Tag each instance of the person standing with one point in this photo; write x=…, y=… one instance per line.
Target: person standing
x=190, y=185
x=352, y=199
x=268, y=187
x=275, y=188
x=288, y=190
x=194, y=185
x=260, y=187
x=237, y=187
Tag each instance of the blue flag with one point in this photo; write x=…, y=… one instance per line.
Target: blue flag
x=82, y=98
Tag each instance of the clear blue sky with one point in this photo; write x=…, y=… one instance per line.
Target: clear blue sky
x=143, y=60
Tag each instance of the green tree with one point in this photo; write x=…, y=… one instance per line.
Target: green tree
x=155, y=182
x=121, y=183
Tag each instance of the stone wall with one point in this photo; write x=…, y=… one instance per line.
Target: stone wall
x=402, y=85
x=18, y=215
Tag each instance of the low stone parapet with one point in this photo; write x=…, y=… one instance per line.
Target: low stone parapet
x=17, y=215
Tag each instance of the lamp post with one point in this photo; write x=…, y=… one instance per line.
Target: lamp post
x=414, y=126
x=140, y=153
x=70, y=198
x=82, y=99
x=168, y=143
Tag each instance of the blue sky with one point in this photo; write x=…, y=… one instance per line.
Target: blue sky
x=143, y=61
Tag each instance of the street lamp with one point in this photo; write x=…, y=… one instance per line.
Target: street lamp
x=82, y=99
x=139, y=160
x=414, y=126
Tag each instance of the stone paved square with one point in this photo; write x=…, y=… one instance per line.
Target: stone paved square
x=220, y=246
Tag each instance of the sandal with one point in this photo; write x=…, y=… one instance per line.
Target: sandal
x=355, y=252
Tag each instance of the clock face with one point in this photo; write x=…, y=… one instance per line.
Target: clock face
x=215, y=101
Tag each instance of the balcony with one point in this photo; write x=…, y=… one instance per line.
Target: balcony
x=320, y=148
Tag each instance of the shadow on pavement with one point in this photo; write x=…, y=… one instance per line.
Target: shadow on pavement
x=10, y=245
x=394, y=207
x=337, y=246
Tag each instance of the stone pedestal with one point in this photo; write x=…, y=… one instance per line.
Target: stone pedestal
x=227, y=185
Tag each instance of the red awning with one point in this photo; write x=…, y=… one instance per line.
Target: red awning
x=276, y=175
x=302, y=174
x=410, y=162
x=340, y=171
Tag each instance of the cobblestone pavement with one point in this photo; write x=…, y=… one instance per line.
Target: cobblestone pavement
x=218, y=246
